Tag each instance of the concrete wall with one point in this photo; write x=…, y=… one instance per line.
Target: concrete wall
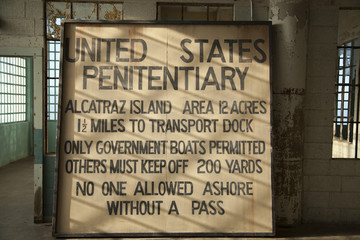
x=21, y=23
x=290, y=24
x=349, y=25
x=331, y=190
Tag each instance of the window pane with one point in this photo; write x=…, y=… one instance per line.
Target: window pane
x=55, y=11
x=53, y=77
x=341, y=64
x=84, y=11
x=348, y=61
x=347, y=79
x=170, y=12
x=195, y=13
x=13, y=89
x=110, y=11
x=220, y=13
x=347, y=71
x=341, y=52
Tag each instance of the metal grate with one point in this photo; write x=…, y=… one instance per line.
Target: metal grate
x=53, y=78
x=346, y=120
x=12, y=89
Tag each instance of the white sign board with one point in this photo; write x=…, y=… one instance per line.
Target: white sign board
x=164, y=130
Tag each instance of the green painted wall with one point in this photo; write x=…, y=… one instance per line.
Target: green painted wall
x=51, y=132
x=48, y=187
x=49, y=169
x=16, y=141
x=17, y=138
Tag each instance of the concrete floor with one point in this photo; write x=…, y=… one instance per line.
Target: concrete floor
x=16, y=212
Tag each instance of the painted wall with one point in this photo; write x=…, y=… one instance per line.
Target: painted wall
x=48, y=187
x=289, y=19
x=18, y=137
x=51, y=136
x=16, y=142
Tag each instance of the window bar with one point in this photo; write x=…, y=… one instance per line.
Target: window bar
x=342, y=99
x=351, y=47
x=13, y=89
x=338, y=102
x=351, y=99
x=357, y=123
x=346, y=92
x=357, y=110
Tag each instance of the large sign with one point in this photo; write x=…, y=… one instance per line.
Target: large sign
x=164, y=130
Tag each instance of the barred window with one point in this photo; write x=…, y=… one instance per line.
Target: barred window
x=53, y=78
x=13, y=91
x=346, y=117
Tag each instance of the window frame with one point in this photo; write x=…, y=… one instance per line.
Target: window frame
x=56, y=40
x=346, y=119
x=190, y=4
x=13, y=98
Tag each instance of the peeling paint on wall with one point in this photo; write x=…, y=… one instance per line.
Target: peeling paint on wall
x=288, y=125
x=289, y=76
x=38, y=207
x=38, y=193
x=111, y=14
x=56, y=12
x=297, y=9
x=290, y=128
x=290, y=43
